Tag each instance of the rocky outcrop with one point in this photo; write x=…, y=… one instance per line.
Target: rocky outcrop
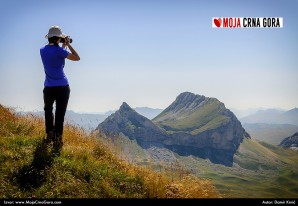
x=218, y=144
x=191, y=125
x=133, y=125
x=203, y=127
x=291, y=142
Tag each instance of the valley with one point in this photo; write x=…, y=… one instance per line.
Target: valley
x=259, y=170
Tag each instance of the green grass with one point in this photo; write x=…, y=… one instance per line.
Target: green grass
x=212, y=124
x=30, y=168
x=264, y=173
x=42, y=173
x=84, y=167
x=260, y=170
x=206, y=117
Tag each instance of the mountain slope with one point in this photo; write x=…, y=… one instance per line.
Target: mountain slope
x=259, y=170
x=290, y=117
x=84, y=167
x=203, y=127
x=192, y=125
x=190, y=113
x=135, y=126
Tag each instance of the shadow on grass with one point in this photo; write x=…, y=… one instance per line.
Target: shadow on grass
x=34, y=175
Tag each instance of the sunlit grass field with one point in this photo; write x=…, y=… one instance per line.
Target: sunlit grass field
x=84, y=167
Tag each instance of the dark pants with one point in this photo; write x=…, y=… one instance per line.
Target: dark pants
x=60, y=95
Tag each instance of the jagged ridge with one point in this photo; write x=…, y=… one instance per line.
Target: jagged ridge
x=192, y=124
x=135, y=126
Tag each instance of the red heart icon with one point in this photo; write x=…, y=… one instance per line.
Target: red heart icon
x=217, y=22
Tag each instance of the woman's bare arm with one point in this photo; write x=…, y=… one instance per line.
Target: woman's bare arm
x=74, y=56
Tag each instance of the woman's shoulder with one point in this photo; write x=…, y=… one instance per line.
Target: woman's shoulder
x=42, y=48
x=51, y=47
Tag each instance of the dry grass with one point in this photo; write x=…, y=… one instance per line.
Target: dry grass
x=84, y=168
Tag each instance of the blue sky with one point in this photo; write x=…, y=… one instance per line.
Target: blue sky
x=147, y=52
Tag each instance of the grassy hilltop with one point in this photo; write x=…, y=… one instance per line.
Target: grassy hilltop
x=192, y=119
x=84, y=168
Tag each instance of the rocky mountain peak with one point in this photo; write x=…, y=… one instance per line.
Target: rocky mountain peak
x=125, y=107
x=187, y=97
x=191, y=125
x=133, y=125
x=185, y=101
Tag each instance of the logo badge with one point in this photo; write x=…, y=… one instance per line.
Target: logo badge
x=247, y=22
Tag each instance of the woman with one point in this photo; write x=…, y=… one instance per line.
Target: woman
x=56, y=87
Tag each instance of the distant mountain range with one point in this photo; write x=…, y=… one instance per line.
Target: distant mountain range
x=191, y=125
x=150, y=113
x=273, y=116
x=271, y=133
x=240, y=113
x=89, y=121
x=271, y=125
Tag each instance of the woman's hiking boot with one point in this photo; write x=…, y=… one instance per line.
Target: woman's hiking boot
x=58, y=142
x=50, y=137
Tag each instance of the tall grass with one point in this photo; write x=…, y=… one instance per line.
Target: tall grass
x=84, y=167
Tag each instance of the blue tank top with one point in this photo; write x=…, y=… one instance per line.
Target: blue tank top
x=53, y=59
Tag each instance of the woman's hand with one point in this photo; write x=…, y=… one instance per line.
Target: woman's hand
x=67, y=40
x=64, y=45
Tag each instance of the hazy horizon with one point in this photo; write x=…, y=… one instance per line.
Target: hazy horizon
x=246, y=110
x=147, y=52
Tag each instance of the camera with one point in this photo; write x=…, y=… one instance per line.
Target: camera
x=63, y=40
